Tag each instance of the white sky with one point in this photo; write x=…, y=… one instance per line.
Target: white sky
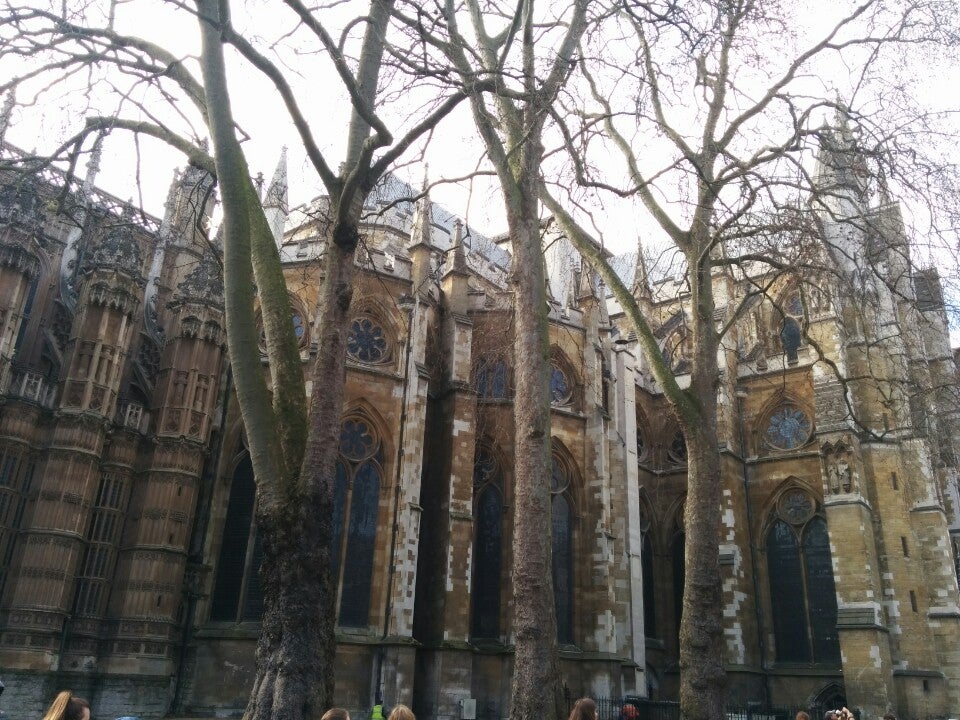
x=453, y=152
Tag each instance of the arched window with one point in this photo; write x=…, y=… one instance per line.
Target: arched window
x=561, y=389
x=562, y=533
x=237, y=595
x=488, y=514
x=491, y=378
x=802, y=592
x=356, y=508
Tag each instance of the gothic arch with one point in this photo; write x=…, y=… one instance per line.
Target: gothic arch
x=490, y=542
x=360, y=408
x=831, y=696
x=784, y=424
x=768, y=512
x=567, y=505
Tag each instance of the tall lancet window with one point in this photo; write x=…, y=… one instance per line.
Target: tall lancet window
x=356, y=509
x=488, y=545
x=562, y=532
x=802, y=592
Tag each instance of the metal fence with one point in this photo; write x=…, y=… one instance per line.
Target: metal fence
x=613, y=709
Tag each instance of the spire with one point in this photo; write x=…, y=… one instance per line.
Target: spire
x=641, y=281
x=93, y=165
x=585, y=286
x=275, y=203
x=6, y=114
x=458, y=263
x=841, y=166
x=422, y=222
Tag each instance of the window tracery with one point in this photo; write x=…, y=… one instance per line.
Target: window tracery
x=801, y=584
x=367, y=341
x=487, y=561
x=562, y=549
x=491, y=378
x=359, y=473
x=788, y=427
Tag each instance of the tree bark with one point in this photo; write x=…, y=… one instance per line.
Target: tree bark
x=535, y=672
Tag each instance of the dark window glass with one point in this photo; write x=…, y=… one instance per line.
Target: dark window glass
x=786, y=594
x=233, y=551
x=562, y=569
x=361, y=537
x=559, y=386
x=649, y=608
x=486, y=567
x=366, y=341
x=492, y=379
x=821, y=592
x=298, y=327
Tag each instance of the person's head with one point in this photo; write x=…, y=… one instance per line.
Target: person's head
x=401, y=712
x=802, y=716
x=889, y=716
x=830, y=715
x=584, y=709
x=336, y=714
x=66, y=706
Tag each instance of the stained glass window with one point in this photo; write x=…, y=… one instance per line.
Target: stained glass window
x=366, y=341
x=485, y=620
x=228, y=586
x=560, y=391
x=491, y=379
x=562, y=568
x=355, y=512
x=802, y=591
x=299, y=329
x=361, y=537
x=788, y=428
x=786, y=594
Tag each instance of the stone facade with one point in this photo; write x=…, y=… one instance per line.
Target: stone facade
x=128, y=547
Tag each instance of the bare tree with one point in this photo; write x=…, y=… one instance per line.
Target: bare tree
x=715, y=123
x=526, y=52
x=293, y=446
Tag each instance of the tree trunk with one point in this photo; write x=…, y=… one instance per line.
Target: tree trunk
x=297, y=648
x=535, y=672
x=702, y=679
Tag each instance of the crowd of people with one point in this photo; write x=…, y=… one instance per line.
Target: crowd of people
x=67, y=706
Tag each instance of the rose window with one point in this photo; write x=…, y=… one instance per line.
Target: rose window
x=560, y=391
x=366, y=341
x=789, y=428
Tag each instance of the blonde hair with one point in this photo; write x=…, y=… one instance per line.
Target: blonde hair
x=66, y=707
x=401, y=712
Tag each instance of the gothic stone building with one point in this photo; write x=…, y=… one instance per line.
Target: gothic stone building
x=129, y=555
